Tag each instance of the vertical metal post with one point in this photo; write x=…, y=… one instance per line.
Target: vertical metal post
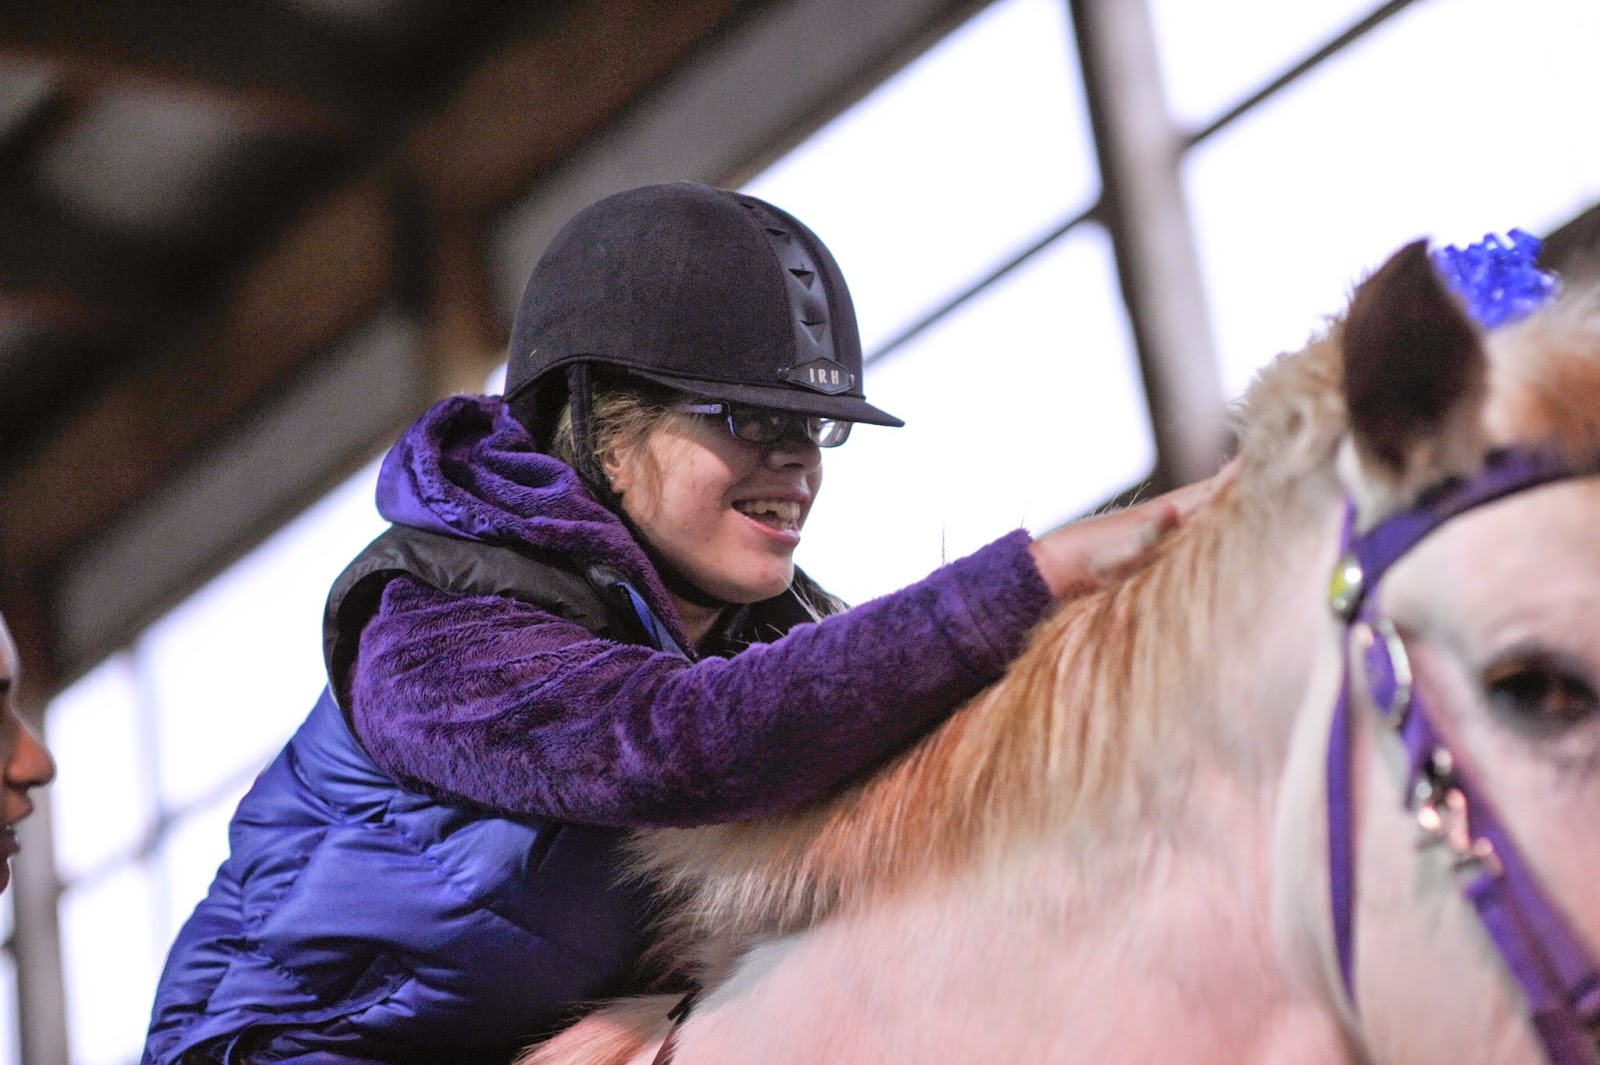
x=1139, y=149
x=36, y=939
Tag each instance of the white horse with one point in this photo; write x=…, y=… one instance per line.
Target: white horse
x=1120, y=852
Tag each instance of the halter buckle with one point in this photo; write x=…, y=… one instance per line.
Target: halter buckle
x=1389, y=687
x=1444, y=817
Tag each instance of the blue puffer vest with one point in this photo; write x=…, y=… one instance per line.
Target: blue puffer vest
x=355, y=921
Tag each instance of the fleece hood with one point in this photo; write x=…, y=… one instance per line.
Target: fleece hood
x=467, y=468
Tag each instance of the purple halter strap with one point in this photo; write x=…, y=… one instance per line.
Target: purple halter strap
x=1558, y=977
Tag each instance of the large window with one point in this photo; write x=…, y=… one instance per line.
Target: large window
x=10, y=1048
x=1450, y=119
x=933, y=181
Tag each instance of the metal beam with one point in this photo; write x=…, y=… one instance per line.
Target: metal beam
x=36, y=937
x=235, y=47
x=196, y=522
x=533, y=101
x=88, y=74
x=1143, y=204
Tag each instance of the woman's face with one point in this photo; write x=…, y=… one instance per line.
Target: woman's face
x=24, y=763
x=727, y=513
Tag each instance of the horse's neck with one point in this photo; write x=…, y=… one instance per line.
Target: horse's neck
x=1092, y=736
x=1167, y=955
x=1142, y=933
x=1220, y=664
x=1269, y=644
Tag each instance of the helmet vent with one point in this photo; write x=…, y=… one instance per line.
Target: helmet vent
x=816, y=364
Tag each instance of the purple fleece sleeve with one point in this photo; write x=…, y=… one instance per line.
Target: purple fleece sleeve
x=495, y=702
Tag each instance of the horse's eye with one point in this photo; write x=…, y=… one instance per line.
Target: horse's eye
x=1541, y=692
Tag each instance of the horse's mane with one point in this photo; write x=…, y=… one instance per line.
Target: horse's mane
x=1068, y=736
x=1059, y=734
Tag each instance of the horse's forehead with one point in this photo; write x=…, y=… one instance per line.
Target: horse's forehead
x=1544, y=379
x=1526, y=562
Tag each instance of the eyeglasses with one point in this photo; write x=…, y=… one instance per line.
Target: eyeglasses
x=763, y=425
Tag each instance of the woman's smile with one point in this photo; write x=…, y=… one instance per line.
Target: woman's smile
x=781, y=517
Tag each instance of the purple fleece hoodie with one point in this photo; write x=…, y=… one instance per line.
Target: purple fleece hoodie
x=495, y=702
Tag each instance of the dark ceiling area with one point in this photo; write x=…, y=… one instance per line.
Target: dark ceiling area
x=199, y=197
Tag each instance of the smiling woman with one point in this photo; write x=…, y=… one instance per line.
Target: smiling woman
x=729, y=518
x=743, y=480
x=586, y=618
x=24, y=763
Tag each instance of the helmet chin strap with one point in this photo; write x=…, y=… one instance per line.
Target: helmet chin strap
x=594, y=476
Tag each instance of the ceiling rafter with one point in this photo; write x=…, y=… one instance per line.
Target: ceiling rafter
x=56, y=309
x=504, y=126
x=86, y=76
x=328, y=271
x=236, y=45
x=333, y=262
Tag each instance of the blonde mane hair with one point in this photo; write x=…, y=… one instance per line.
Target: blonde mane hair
x=1061, y=736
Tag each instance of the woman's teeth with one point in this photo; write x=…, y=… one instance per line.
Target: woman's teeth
x=777, y=512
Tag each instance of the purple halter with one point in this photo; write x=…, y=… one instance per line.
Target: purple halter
x=1558, y=977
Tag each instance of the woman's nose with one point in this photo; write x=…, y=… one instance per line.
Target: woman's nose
x=795, y=450
x=31, y=765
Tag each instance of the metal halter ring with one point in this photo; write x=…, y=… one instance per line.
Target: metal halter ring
x=1346, y=586
x=1367, y=634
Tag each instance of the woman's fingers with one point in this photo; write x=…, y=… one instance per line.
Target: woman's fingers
x=1094, y=551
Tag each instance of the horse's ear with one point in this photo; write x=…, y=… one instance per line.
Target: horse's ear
x=1572, y=252
x=1414, y=372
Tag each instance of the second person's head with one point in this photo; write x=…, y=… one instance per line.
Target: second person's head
x=690, y=350
x=24, y=763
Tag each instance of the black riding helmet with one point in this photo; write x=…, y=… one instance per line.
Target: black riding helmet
x=711, y=292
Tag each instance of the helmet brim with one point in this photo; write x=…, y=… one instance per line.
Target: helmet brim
x=777, y=397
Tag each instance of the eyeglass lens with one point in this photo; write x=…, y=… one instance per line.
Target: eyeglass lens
x=761, y=425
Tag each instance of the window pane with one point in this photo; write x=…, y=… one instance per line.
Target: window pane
x=1446, y=123
x=948, y=168
x=111, y=961
x=101, y=805
x=188, y=857
x=1216, y=53
x=10, y=1044
x=10, y=1049
x=234, y=669
x=1023, y=408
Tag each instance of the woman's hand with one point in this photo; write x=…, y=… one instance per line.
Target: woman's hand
x=1099, y=550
